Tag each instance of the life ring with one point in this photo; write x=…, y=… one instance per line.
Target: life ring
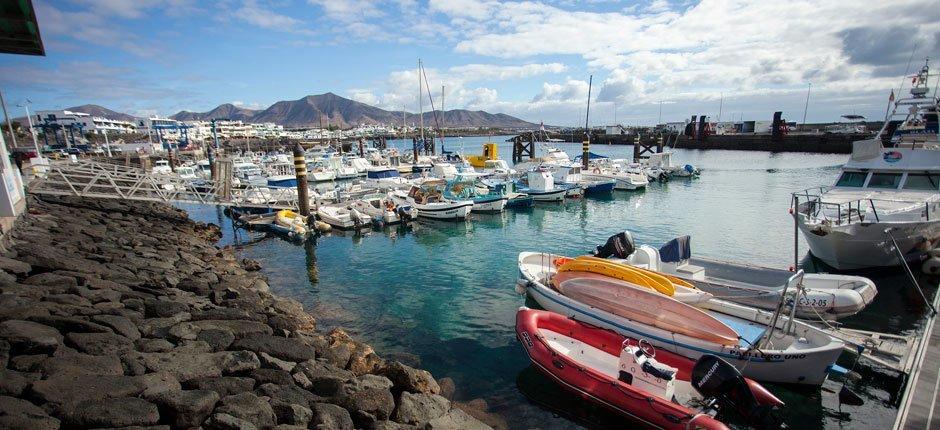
x=597, y=170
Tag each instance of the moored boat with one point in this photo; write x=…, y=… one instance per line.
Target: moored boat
x=821, y=295
x=343, y=216
x=628, y=375
x=381, y=208
x=292, y=221
x=541, y=187
x=771, y=347
x=429, y=200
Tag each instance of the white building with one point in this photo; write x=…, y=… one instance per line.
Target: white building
x=162, y=129
x=87, y=123
x=268, y=130
x=615, y=129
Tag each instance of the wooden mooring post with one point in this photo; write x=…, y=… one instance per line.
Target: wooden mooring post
x=300, y=169
x=523, y=145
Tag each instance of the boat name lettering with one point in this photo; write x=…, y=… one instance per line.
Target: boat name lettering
x=525, y=337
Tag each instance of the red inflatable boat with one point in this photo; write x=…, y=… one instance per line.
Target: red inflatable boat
x=654, y=386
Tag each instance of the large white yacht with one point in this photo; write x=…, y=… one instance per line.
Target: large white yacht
x=884, y=194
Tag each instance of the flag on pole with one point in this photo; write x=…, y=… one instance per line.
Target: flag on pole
x=542, y=126
x=891, y=97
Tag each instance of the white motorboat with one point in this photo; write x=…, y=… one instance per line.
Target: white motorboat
x=467, y=187
x=382, y=208
x=248, y=173
x=771, y=347
x=443, y=170
x=498, y=168
x=886, y=199
x=343, y=216
x=625, y=178
x=540, y=185
x=360, y=164
x=821, y=295
x=661, y=163
x=320, y=172
x=186, y=172
x=387, y=177
x=429, y=200
x=162, y=167
x=341, y=168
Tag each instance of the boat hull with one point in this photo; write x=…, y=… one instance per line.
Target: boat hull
x=557, y=195
x=445, y=211
x=595, y=385
x=495, y=204
x=865, y=245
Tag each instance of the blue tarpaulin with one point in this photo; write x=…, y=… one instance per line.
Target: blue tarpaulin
x=592, y=156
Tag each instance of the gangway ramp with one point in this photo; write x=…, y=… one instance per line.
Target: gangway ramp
x=90, y=179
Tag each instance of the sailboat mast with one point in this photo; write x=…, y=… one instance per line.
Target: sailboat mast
x=420, y=103
x=442, y=118
x=586, y=146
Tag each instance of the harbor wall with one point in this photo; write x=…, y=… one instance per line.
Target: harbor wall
x=117, y=314
x=816, y=143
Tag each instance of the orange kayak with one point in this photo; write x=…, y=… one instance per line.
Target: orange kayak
x=643, y=305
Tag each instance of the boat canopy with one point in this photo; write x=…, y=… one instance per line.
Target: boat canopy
x=676, y=250
x=382, y=174
x=592, y=156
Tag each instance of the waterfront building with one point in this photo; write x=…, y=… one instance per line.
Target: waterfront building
x=83, y=121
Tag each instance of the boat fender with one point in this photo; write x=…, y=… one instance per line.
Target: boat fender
x=521, y=286
x=597, y=170
x=931, y=266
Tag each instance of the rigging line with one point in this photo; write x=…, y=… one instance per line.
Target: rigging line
x=907, y=69
x=426, y=85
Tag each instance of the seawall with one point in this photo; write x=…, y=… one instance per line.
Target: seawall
x=116, y=314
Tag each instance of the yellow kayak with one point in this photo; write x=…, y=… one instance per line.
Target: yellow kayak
x=674, y=279
x=630, y=274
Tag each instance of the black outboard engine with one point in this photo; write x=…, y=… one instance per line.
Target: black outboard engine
x=620, y=245
x=715, y=379
x=404, y=213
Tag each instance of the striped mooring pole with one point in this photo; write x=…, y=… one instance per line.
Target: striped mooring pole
x=300, y=168
x=585, y=151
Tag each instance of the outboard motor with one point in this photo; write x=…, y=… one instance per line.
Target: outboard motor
x=721, y=382
x=620, y=245
x=404, y=213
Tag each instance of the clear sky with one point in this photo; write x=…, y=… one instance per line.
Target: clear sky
x=531, y=59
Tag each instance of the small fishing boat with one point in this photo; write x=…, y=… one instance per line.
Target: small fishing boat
x=385, y=177
x=429, y=200
x=282, y=175
x=319, y=172
x=490, y=152
x=624, y=179
x=655, y=386
x=514, y=200
x=821, y=295
x=343, y=216
x=383, y=210
x=771, y=347
x=569, y=175
x=464, y=187
x=541, y=186
x=498, y=169
x=292, y=221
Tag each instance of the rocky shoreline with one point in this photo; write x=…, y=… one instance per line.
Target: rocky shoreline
x=116, y=314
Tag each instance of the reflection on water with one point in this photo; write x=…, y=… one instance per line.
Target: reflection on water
x=440, y=294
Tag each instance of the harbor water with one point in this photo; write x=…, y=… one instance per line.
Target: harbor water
x=441, y=294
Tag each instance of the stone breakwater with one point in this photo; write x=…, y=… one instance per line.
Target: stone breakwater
x=126, y=315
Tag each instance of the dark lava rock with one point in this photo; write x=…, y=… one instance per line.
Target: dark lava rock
x=248, y=407
x=407, y=378
x=13, y=383
x=222, y=421
x=27, y=337
x=120, y=324
x=330, y=417
x=420, y=408
x=218, y=339
x=291, y=413
x=278, y=347
x=186, y=366
x=116, y=412
x=185, y=409
x=272, y=376
x=82, y=363
x=70, y=324
x=17, y=414
x=163, y=308
x=100, y=343
x=225, y=386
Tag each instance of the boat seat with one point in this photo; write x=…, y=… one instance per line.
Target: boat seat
x=691, y=270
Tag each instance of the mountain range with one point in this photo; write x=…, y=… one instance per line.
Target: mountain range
x=331, y=109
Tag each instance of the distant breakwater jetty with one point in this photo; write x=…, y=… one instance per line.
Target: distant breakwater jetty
x=116, y=314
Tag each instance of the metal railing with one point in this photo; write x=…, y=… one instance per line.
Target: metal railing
x=810, y=202
x=91, y=179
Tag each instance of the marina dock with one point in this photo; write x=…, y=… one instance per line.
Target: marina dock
x=920, y=403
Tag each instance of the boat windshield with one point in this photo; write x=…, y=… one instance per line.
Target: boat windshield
x=922, y=181
x=884, y=180
x=852, y=179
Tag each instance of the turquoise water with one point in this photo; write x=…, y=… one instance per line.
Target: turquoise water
x=440, y=294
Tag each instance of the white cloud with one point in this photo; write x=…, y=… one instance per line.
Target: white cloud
x=254, y=14
x=474, y=9
x=569, y=91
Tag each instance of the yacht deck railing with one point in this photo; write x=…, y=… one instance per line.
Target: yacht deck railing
x=848, y=212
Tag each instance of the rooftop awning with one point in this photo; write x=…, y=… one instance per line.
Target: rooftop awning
x=19, y=31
